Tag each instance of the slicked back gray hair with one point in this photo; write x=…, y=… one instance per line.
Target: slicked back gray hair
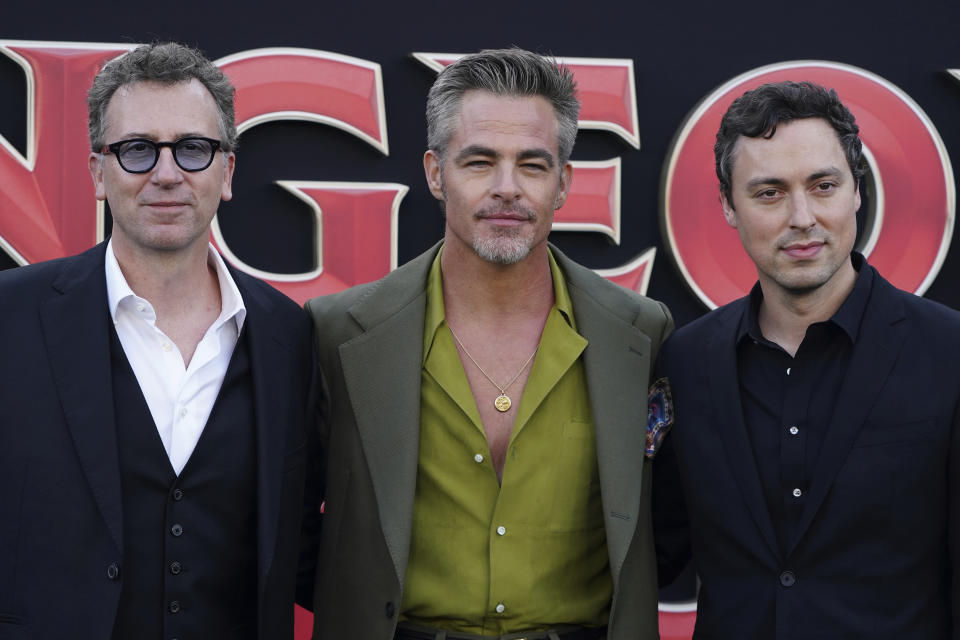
x=503, y=72
x=165, y=63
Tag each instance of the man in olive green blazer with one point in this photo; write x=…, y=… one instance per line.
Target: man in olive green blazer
x=371, y=351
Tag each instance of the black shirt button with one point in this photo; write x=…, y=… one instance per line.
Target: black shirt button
x=175, y=567
x=390, y=610
x=113, y=571
x=177, y=494
x=788, y=578
x=174, y=606
x=176, y=530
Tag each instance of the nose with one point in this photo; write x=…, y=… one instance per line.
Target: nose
x=505, y=184
x=801, y=213
x=166, y=170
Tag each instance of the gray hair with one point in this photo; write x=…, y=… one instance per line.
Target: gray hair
x=503, y=72
x=166, y=63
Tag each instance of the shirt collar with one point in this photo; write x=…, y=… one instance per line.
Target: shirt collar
x=436, y=315
x=119, y=291
x=847, y=317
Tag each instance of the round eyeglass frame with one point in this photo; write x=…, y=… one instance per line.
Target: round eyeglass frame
x=158, y=146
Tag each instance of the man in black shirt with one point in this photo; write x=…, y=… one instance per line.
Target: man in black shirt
x=817, y=439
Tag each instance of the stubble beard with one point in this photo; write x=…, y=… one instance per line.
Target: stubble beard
x=503, y=249
x=502, y=246
x=505, y=246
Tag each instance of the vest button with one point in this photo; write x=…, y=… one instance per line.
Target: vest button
x=177, y=494
x=788, y=578
x=113, y=571
x=175, y=567
x=390, y=609
x=174, y=606
x=176, y=530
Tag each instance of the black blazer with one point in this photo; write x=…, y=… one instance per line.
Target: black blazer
x=61, y=532
x=876, y=553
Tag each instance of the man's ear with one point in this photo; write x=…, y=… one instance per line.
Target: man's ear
x=566, y=179
x=95, y=164
x=729, y=214
x=229, y=162
x=433, y=169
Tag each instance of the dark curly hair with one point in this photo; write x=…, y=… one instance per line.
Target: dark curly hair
x=758, y=112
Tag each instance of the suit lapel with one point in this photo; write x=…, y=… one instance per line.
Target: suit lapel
x=721, y=352
x=271, y=393
x=878, y=345
x=76, y=328
x=382, y=369
x=617, y=364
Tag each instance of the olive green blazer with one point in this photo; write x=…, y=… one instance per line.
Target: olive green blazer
x=370, y=348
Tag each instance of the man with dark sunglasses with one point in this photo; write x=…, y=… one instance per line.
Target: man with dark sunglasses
x=156, y=402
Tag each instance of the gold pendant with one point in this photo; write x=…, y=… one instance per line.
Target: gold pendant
x=502, y=403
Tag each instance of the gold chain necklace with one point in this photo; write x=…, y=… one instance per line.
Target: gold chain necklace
x=503, y=402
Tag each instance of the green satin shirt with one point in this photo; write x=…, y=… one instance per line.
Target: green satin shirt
x=530, y=554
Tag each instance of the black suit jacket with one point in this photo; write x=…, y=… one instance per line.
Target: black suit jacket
x=61, y=531
x=875, y=555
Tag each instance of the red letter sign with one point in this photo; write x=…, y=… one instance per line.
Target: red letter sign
x=47, y=207
x=356, y=223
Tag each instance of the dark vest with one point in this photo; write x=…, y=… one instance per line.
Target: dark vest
x=189, y=568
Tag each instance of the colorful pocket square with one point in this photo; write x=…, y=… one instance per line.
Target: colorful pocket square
x=659, y=415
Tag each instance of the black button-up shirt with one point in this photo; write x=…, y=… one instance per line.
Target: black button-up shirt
x=788, y=401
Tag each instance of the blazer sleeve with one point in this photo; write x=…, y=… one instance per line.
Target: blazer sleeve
x=314, y=489
x=671, y=524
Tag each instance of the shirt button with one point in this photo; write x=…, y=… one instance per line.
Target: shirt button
x=501, y=530
x=182, y=412
x=797, y=493
x=174, y=606
x=176, y=530
x=175, y=568
x=166, y=346
x=478, y=457
x=794, y=431
x=140, y=307
x=788, y=578
x=500, y=608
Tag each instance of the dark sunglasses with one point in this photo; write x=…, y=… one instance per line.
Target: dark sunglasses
x=140, y=155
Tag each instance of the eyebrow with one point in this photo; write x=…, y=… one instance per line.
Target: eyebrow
x=135, y=135
x=542, y=154
x=826, y=172
x=487, y=152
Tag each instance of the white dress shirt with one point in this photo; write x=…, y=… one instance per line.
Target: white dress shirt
x=180, y=398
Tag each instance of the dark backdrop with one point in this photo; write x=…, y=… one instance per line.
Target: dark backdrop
x=681, y=51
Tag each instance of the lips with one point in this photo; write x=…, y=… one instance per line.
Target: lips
x=506, y=215
x=803, y=250
x=165, y=204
